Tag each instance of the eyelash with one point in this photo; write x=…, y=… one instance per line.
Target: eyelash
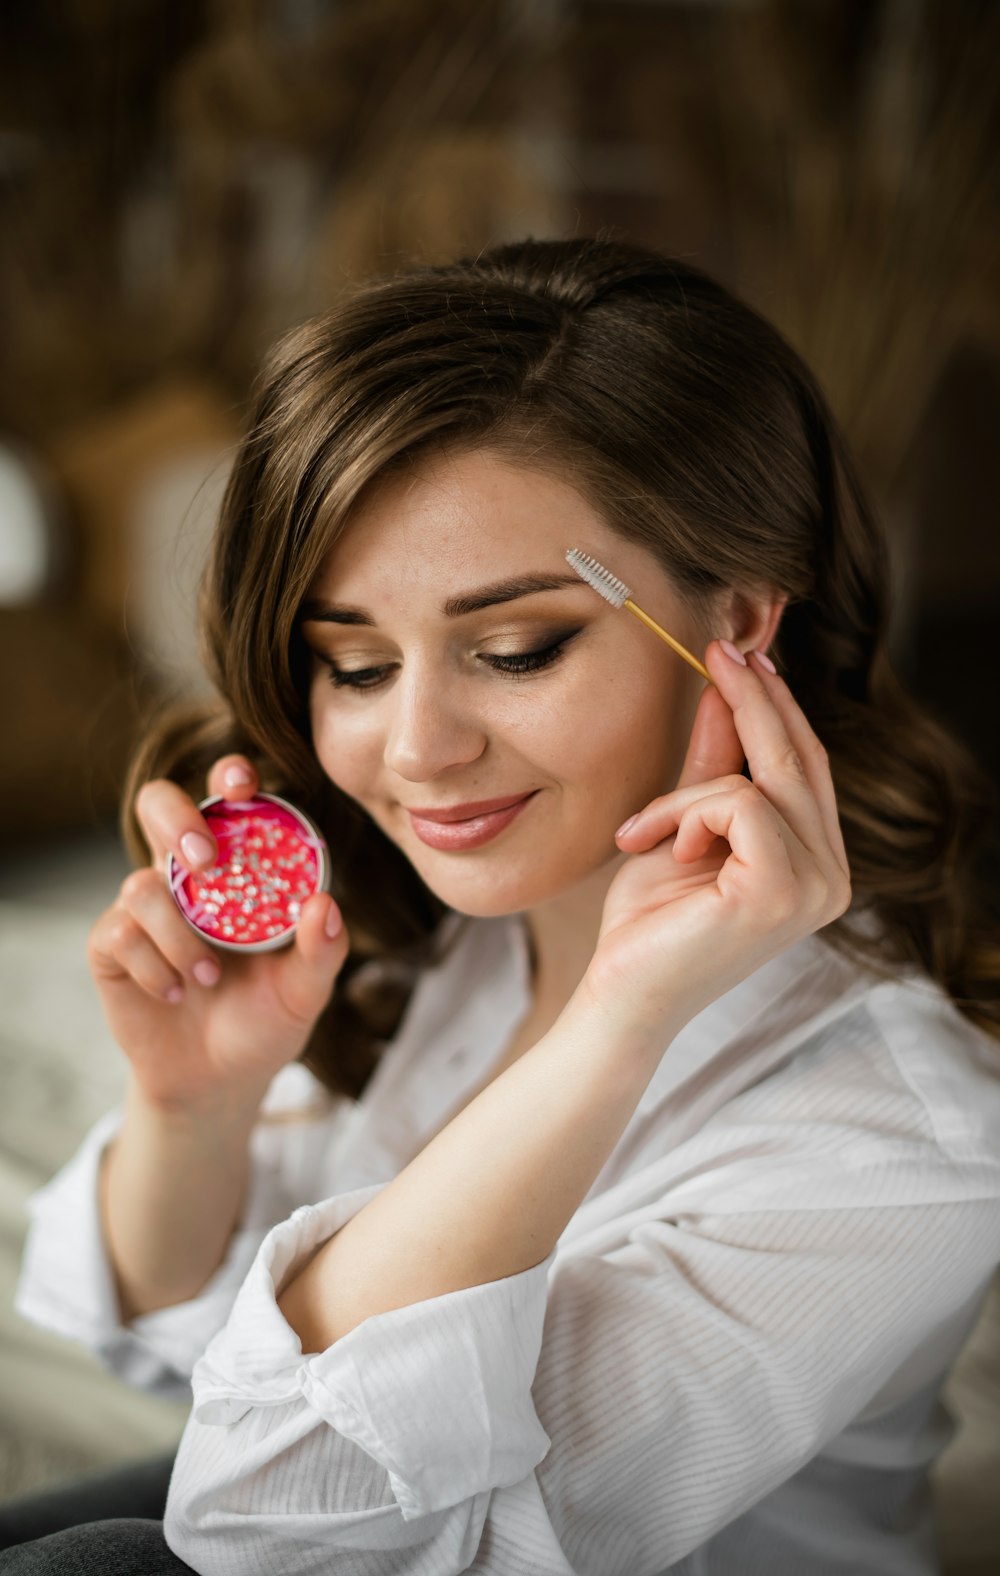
x=518, y=664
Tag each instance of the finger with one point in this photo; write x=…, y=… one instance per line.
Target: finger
x=759, y=871
x=692, y=838
x=661, y=817
x=714, y=748
x=785, y=777
x=309, y=967
x=812, y=753
x=145, y=896
x=683, y=811
x=173, y=824
x=769, y=868
x=120, y=952
x=233, y=777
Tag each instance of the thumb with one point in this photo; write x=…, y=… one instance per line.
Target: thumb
x=714, y=747
x=313, y=961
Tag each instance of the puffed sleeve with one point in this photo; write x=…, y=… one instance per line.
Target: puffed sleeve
x=603, y=1412
x=67, y=1284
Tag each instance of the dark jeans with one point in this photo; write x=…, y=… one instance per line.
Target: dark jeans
x=108, y=1523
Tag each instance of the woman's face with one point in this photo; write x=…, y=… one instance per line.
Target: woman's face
x=410, y=705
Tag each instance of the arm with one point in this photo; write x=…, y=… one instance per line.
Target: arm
x=203, y=1049
x=71, y=1284
x=492, y=1193
x=689, y=1367
x=490, y=1196
x=172, y=1185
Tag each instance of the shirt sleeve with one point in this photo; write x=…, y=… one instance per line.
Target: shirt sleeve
x=67, y=1282
x=599, y=1413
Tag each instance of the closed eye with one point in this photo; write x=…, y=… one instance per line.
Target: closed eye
x=517, y=664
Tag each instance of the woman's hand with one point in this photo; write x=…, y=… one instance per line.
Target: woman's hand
x=726, y=873
x=196, y=1023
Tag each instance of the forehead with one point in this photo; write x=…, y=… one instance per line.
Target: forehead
x=459, y=521
x=459, y=512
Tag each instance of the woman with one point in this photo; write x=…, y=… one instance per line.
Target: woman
x=658, y=1190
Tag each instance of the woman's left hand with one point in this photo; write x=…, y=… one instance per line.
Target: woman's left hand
x=726, y=873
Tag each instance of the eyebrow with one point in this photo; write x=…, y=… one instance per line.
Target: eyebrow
x=456, y=607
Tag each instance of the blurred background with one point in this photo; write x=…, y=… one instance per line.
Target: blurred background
x=182, y=180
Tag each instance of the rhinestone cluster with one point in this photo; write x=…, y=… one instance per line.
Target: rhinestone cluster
x=268, y=865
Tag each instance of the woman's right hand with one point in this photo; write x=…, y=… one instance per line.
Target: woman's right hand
x=217, y=1041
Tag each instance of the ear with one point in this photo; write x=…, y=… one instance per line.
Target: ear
x=751, y=619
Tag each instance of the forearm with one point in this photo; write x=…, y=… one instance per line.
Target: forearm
x=171, y=1190
x=492, y=1193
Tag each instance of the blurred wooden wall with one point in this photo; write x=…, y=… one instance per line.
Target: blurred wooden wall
x=179, y=182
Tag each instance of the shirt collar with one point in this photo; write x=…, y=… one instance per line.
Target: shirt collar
x=766, y=1012
x=465, y=1008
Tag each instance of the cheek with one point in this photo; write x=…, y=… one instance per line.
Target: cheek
x=629, y=740
x=615, y=732
x=345, y=745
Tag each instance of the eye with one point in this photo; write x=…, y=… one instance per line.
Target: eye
x=528, y=661
x=517, y=664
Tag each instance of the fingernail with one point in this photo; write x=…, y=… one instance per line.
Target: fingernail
x=197, y=850
x=765, y=662
x=334, y=921
x=626, y=824
x=175, y=994
x=236, y=776
x=734, y=652
x=206, y=972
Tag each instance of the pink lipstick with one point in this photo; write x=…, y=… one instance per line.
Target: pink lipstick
x=447, y=832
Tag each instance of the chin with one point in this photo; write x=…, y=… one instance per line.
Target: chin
x=488, y=895
x=485, y=905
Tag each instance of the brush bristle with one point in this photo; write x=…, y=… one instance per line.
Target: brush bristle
x=610, y=587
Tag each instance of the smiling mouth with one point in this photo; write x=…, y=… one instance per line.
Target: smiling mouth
x=470, y=831
x=468, y=812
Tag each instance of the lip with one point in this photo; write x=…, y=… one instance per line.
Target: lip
x=469, y=831
x=465, y=812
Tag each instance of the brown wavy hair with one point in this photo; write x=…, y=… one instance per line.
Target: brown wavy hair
x=696, y=431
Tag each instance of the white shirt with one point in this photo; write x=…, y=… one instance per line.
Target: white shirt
x=729, y=1365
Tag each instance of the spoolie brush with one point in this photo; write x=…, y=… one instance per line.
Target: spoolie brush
x=618, y=594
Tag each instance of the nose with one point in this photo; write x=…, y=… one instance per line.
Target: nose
x=429, y=729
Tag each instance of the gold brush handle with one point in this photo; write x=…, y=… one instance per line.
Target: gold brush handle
x=699, y=667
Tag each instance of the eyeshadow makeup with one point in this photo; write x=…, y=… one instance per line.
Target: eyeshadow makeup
x=271, y=859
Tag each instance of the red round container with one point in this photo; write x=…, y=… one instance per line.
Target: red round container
x=271, y=859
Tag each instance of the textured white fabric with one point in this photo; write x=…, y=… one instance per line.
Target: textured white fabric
x=730, y=1364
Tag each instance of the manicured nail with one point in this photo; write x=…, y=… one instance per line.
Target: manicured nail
x=334, y=921
x=625, y=826
x=236, y=776
x=197, y=850
x=765, y=662
x=206, y=972
x=175, y=994
x=732, y=651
